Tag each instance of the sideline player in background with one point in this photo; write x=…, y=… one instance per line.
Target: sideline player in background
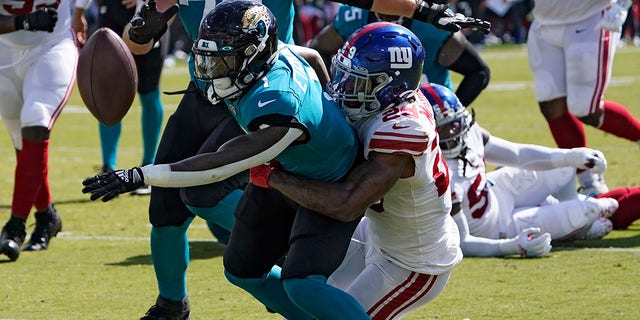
x=265, y=86
x=571, y=46
x=38, y=56
x=508, y=210
x=406, y=246
x=115, y=15
x=445, y=50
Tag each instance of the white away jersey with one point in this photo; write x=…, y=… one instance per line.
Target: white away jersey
x=23, y=39
x=469, y=186
x=554, y=12
x=412, y=225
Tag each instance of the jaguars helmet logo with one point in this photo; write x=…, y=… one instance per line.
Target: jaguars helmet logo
x=256, y=20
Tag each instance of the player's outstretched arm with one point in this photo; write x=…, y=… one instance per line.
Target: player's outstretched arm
x=529, y=243
x=347, y=200
x=435, y=12
x=533, y=157
x=236, y=155
x=149, y=24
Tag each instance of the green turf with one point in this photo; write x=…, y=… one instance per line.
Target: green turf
x=100, y=266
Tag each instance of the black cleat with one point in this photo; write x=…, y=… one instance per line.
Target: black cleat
x=165, y=309
x=12, y=237
x=48, y=224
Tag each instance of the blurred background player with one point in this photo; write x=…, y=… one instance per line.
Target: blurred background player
x=445, y=51
x=571, y=45
x=508, y=210
x=406, y=246
x=115, y=15
x=38, y=56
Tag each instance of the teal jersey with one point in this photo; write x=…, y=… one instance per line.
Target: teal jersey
x=349, y=19
x=291, y=89
x=193, y=11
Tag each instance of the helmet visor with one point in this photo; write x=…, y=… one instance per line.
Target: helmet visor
x=209, y=67
x=452, y=134
x=350, y=89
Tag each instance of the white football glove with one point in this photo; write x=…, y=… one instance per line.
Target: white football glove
x=533, y=243
x=614, y=16
x=586, y=158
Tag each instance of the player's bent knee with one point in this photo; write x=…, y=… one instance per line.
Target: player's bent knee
x=305, y=289
x=553, y=109
x=592, y=119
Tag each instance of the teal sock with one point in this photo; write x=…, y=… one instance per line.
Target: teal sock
x=170, y=256
x=314, y=295
x=222, y=213
x=268, y=290
x=109, y=137
x=152, y=115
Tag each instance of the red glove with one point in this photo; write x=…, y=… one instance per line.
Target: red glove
x=259, y=176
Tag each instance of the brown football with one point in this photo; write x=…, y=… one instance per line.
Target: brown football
x=107, y=76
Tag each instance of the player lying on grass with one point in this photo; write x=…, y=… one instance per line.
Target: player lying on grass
x=521, y=207
x=406, y=246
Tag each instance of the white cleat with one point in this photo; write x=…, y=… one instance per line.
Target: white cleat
x=603, y=207
x=600, y=228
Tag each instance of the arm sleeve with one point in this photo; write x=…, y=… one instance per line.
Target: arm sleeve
x=482, y=247
x=163, y=176
x=526, y=156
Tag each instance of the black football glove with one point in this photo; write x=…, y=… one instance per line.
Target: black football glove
x=148, y=23
x=108, y=185
x=42, y=20
x=437, y=13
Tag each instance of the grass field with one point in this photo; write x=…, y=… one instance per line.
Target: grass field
x=99, y=267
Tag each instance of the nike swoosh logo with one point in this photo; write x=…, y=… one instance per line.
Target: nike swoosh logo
x=262, y=104
x=397, y=127
x=580, y=30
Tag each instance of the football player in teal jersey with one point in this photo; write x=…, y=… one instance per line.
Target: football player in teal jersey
x=276, y=97
x=195, y=127
x=444, y=50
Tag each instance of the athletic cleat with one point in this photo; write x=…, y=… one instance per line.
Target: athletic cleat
x=606, y=207
x=12, y=237
x=48, y=224
x=142, y=191
x=165, y=309
x=600, y=228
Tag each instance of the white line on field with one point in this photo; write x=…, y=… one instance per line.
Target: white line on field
x=71, y=236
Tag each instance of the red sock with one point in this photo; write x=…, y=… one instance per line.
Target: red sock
x=618, y=121
x=31, y=171
x=568, y=131
x=629, y=206
x=43, y=198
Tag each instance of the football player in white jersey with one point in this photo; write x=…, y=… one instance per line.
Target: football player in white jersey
x=404, y=249
x=571, y=45
x=38, y=57
x=521, y=207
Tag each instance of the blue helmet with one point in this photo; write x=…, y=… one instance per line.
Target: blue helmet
x=236, y=45
x=379, y=65
x=453, y=121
